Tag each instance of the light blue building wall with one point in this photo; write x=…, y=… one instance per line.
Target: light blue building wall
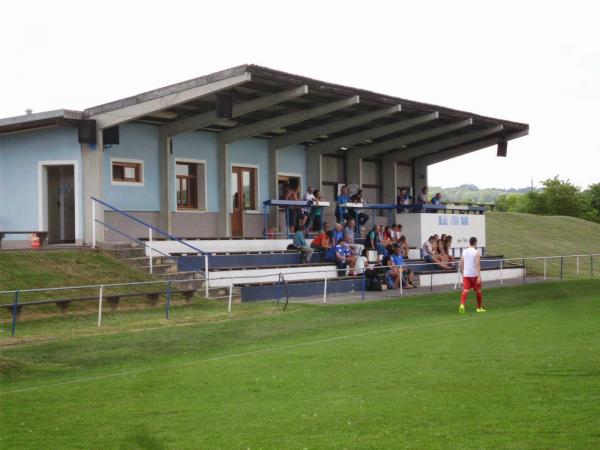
x=292, y=159
x=136, y=142
x=20, y=157
x=200, y=146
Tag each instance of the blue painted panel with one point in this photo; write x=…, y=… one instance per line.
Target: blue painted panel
x=292, y=159
x=307, y=289
x=253, y=152
x=202, y=146
x=19, y=156
x=137, y=141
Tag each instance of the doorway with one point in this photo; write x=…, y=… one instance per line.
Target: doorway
x=243, y=194
x=60, y=203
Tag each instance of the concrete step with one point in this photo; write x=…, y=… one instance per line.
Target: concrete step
x=125, y=252
x=144, y=261
x=160, y=269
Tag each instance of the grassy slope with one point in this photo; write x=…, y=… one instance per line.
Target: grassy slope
x=30, y=270
x=516, y=234
x=389, y=374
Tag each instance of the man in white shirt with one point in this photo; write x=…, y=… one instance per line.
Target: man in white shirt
x=308, y=197
x=470, y=267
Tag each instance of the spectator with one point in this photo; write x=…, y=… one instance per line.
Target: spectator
x=439, y=249
x=338, y=233
x=316, y=212
x=423, y=199
x=448, y=247
x=349, y=236
x=362, y=217
x=361, y=263
x=322, y=241
x=404, y=247
x=305, y=211
x=402, y=201
x=430, y=254
x=340, y=255
x=436, y=199
x=342, y=198
x=373, y=241
x=395, y=233
x=400, y=269
x=293, y=211
x=300, y=243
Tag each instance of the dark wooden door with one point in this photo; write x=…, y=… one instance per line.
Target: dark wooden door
x=243, y=192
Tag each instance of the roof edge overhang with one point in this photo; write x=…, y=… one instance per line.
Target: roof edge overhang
x=58, y=117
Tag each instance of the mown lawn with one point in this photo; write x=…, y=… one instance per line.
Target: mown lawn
x=404, y=373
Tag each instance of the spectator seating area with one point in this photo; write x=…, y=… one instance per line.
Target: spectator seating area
x=255, y=268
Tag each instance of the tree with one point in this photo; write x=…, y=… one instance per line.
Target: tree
x=561, y=198
x=593, y=195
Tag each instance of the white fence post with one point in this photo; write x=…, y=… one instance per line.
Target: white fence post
x=100, y=305
x=150, y=246
x=577, y=266
x=545, y=266
x=93, y=224
x=501, y=271
x=230, y=295
x=325, y=290
x=206, y=275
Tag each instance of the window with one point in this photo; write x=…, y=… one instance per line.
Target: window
x=243, y=188
x=127, y=172
x=190, y=189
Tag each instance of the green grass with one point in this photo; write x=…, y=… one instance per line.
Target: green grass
x=517, y=235
x=407, y=373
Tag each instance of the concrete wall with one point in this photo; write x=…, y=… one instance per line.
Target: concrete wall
x=137, y=142
x=292, y=160
x=20, y=154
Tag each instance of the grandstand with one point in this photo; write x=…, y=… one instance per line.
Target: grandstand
x=211, y=158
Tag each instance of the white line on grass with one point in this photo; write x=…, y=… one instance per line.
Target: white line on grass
x=248, y=353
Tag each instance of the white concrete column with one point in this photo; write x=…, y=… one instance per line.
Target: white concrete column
x=273, y=169
x=224, y=183
x=92, y=158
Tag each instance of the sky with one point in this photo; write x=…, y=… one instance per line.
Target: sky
x=526, y=61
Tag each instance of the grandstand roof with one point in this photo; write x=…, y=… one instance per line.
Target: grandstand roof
x=294, y=109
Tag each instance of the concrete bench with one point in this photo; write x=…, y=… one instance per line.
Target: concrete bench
x=42, y=235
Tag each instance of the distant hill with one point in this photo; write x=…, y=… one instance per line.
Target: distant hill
x=469, y=193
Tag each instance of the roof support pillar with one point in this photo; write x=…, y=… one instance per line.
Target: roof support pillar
x=273, y=169
x=388, y=183
x=353, y=169
x=165, y=170
x=314, y=172
x=92, y=161
x=224, y=181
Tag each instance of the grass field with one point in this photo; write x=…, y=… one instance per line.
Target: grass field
x=407, y=373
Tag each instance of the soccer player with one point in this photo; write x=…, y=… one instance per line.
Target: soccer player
x=470, y=266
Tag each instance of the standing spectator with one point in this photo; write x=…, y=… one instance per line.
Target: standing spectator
x=358, y=198
x=436, y=199
x=342, y=198
x=402, y=200
x=305, y=211
x=423, y=199
x=294, y=211
x=300, y=243
x=316, y=212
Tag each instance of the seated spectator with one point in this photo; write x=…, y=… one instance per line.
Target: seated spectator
x=439, y=250
x=300, y=243
x=338, y=234
x=436, y=199
x=373, y=241
x=401, y=272
x=448, y=247
x=342, y=198
x=430, y=253
x=360, y=264
x=404, y=247
x=341, y=255
x=349, y=236
x=322, y=242
x=387, y=233
x=396, y=232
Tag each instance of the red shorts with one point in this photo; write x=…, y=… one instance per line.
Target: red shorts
x=471, y=283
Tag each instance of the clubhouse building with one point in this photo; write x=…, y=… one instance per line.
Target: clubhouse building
x=198, y=158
